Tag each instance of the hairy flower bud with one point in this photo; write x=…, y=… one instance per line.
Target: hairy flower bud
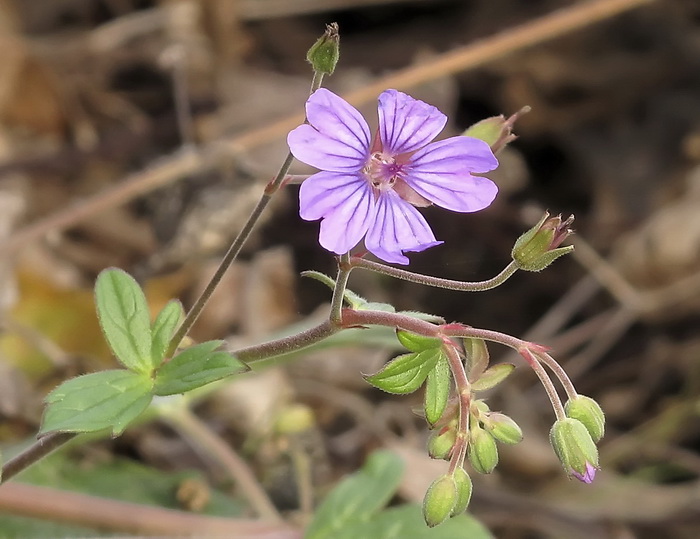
x=464, y=491
x=441, y=442
x=482, y=451
x=440, y=500
x=539, y=247
x=503, y=428
x=575, y=449
x=588, y=412
x=496, y=131
x=323, y=55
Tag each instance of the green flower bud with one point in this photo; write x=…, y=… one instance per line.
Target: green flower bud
x=539, y=247
x=440, y=500
x=503, y=428
x=441, y=442
x=323, y=55
x=588, y=412
x=482, y=451
x=496, y=131
x=464, y=491
x=575, y=449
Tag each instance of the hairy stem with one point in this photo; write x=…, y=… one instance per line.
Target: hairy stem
x=464, y=394
x=341, y=283
x=559, y=372
x=37, y=451
x=462, y=286
x=236, y=245
x=546, y=382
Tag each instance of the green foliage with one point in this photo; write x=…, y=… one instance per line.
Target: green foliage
x=163, y=329
x=417, y=343
x=354, y=509
x=196, y=367
x=124, y=318
x=93, y=402
x=357, y=498
x=437, y=390
x=493, y=376
x=405, y=373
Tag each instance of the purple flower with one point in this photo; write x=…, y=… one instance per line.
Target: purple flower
x=588, y=476
x=368, y=186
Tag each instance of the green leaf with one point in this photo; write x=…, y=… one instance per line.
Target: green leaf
x=417, y=343
x=437, y=390
x=163, y=329
x=93, y=402
x=196, y=367
x=493, y=376
x=358, y=497
x=124, y=318
x=406, y=522
x=406, y=373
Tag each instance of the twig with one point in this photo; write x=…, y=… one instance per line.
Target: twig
x=212, y=448
x=91, y=511
x=179, y=165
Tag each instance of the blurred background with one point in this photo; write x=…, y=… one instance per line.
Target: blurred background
x=139, y=134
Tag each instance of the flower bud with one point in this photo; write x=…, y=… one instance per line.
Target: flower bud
x=482, y=451
x=588, y=412
x=323, y=55
x=496, y=131
x=503, y=428
x=440, y=500
x=441, y=443
x=464, y=491
x=539, y=247
x=575, y=449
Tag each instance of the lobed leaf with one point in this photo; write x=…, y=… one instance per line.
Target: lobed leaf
x=163, y=329
x=195, y=367
x=124, y=317
x=93, y=402
x=437, y=390
x=405, y=373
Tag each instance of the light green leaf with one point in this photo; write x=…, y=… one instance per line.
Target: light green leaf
x=164, y=327
x=406, y=373
x=124, y=318
x=196, y=367
x=437, y=390
x=406, y=522
x=98, y=401
x=493, y=376
x=358, y=497
x=417, y=343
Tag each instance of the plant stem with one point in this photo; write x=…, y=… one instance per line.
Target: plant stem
x=560, y=373
x=341, y=283
x=546, y=382
x=464, y=394
x=237, y=244
x=462, y=286
x=212, y=448
x=38, y=450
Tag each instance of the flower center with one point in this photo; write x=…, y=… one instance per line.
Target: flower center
x=382, y=171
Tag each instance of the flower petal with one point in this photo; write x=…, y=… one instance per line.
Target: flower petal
x=407, y=124
x=398, y=227
x=345, y=203
x=338, y=138
x=440, y=172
